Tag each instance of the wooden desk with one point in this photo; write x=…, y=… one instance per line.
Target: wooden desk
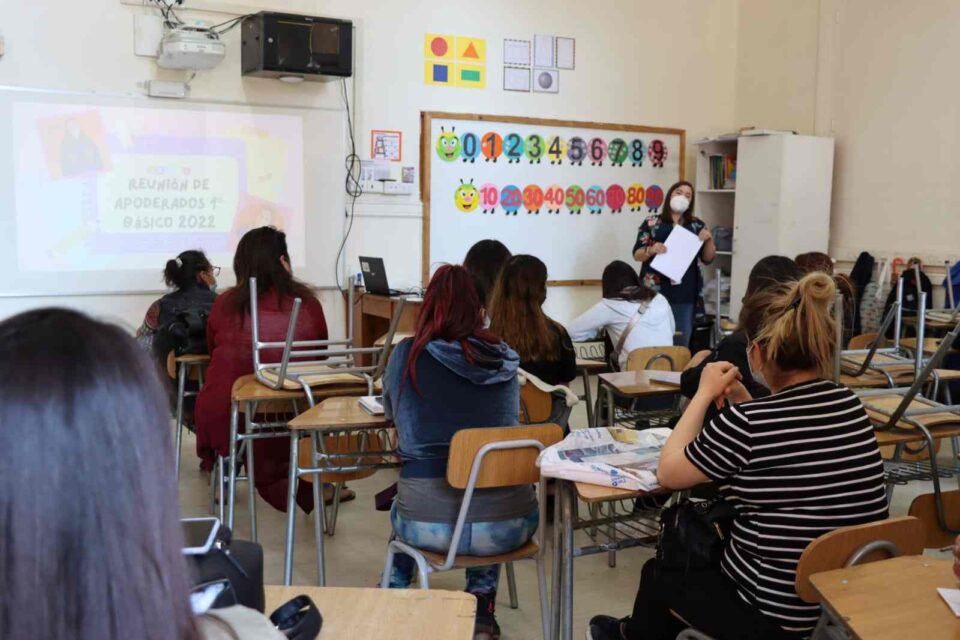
x=386, y=614
x=591, y=493
x=371, y=319
x=346, y=443
x=891, y=599
x=336, y=413
x=636, y=384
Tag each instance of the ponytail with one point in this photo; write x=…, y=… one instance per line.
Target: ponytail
x=793, y=323
x=181, y=272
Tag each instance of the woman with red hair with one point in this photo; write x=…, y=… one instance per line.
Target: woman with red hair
x=454, y=374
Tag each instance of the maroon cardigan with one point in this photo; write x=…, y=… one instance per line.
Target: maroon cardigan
x=231, y=356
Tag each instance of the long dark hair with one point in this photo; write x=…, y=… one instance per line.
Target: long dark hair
x=687, y=216
x=621, y=282
x=258, y=256
x=769, y=273
x=182, y=271
x=451, y=311
x=516, y=313
x=91, y=538
x=484, y=261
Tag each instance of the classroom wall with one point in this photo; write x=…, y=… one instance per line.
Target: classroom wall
x=876, y=77
x=892, y=103
x=638, y=61
x=777, y=64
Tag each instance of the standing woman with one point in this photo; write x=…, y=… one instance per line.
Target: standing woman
x=684, y=295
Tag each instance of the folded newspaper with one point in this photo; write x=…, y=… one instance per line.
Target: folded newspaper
x=608, y=456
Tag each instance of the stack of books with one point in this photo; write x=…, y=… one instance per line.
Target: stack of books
x=723, y=172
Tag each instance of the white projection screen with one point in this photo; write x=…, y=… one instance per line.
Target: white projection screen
x=97, y=192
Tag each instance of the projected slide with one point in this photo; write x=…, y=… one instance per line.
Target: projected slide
x=102, y=188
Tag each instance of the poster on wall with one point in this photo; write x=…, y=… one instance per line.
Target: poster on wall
x=455, y=61
x=571, y=193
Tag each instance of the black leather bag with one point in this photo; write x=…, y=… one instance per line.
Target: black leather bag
x=693, y=534
x=239, y=562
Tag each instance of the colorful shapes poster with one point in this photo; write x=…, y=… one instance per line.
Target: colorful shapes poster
x=458, y=61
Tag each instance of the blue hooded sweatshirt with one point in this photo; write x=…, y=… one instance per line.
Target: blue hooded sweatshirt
x=454, y=394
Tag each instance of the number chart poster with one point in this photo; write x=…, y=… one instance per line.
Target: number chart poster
x=572, y=194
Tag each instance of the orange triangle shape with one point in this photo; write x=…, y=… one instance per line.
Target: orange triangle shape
x=471, y=52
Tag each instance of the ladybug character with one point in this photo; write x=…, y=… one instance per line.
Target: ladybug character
x=616, y=197
x=654, y=198
x=657, y=151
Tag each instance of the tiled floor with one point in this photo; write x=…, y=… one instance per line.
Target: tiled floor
x=355, y=555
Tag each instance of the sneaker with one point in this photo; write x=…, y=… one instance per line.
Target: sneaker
x=486, y=627
x=605, y=628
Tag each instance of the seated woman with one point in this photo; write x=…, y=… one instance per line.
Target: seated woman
x=516, y=315
x=768, y=273
x=91, y=533
x=796, y=465
x=194, y=282
x=624, y=299
x=454, y=374
x=484, y=261
x=261, y=254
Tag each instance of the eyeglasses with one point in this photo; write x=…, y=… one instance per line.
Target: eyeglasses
x=215, y=270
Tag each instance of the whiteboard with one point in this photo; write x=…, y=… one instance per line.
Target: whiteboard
x=571, y=193
x=143, y=180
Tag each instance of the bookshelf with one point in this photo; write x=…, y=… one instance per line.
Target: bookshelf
x=716, y=195
x=778, y=203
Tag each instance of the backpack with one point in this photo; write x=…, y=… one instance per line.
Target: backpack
x=954, y=282
x=185, y=334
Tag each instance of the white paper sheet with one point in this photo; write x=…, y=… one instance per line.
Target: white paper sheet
x=952, y=598
x=666, y=377
x=516, y=79
x=566, y=53
x=682, y=248
x=516, y=52
x=543, y=51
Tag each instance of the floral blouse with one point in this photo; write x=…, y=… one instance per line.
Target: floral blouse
x=688, y=290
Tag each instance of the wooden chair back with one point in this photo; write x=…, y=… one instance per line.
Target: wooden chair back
x=535, y=405
x=505, y=468
x=193, y=373
x=832, y=550
x=924, y=508
x=652, y=358
x=863, y=341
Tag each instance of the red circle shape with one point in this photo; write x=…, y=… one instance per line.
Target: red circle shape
x=439, y=47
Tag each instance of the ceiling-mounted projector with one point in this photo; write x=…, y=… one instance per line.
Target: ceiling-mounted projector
x=191, y=48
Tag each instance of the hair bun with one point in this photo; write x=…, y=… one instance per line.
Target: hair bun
x=817, y=288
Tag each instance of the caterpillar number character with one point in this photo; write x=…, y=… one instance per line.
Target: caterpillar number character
x=467, y=198
x=448, y=145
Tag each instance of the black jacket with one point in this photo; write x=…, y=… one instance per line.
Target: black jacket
x=732, y=349
x=860, y=275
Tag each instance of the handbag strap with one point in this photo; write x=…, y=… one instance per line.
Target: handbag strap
x=626, y=332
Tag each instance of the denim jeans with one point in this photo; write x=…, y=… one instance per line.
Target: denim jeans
x=683, y=316
x=477, y=539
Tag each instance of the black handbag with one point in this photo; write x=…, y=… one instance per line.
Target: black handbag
x=239, y=562
x=693, y=534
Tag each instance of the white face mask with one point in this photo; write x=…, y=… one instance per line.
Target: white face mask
x=679, y=204
x=756, y=374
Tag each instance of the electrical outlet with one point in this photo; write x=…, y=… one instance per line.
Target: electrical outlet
x=371, y=186
x=397, y=188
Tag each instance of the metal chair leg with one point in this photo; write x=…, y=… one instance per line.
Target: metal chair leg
x=220, y=485
x=318, y=511
x=213, y=489
x=181, y=389
x=612, y=533
x=512, y=586
x=591, y=420
x=291, y=507
x=330, y=525
x=251, y=482
x=232, y=490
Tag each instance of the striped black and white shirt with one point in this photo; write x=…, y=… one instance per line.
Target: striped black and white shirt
x=795, y=465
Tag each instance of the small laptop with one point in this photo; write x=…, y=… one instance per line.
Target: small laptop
x=375, y=277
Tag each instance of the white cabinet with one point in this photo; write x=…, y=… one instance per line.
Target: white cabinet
x=781, y=204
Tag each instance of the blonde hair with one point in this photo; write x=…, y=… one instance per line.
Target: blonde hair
x=793, y=323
